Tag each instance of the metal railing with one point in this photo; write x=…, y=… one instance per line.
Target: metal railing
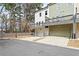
x=58, y=20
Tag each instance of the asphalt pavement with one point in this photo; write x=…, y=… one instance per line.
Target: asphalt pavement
x=27, y=48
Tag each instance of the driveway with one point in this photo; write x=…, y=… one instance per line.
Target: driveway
x=28, y=48
x=54, y=40
x=51, y=40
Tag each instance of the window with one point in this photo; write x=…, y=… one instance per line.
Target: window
x=46, y=26
x=45, y=12
x=40, y=14
x=36, y=23
x=42, y=22
x=39, y=23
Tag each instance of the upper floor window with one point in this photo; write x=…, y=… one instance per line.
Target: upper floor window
x=39, y=23
x=45, y=12
x=40, y=14
x=42, y=22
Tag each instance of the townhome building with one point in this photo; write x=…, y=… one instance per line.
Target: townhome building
x=58, y=19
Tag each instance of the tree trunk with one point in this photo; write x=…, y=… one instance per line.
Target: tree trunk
x=6, y=25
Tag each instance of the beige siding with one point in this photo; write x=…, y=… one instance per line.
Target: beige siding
x=60, y=30
x=76, y=5
x=52, y=11
x=61, y=9
x=42, y=31
x=39, y=32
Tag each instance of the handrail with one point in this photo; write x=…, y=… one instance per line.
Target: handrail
x=57, y=19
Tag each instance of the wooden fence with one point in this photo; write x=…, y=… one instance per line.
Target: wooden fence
x=14, y=35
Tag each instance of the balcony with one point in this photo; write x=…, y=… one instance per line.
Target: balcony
x=68, y=19
x=59, y=20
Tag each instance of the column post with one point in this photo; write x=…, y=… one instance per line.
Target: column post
x=74, y=24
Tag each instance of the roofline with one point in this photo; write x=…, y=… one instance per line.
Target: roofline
x=41, y=9
x=45, y=7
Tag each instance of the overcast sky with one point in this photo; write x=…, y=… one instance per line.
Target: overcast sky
x=45, y=4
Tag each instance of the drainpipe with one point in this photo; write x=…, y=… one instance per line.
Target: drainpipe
x=74, y=24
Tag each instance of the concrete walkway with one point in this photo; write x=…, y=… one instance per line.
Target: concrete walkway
x=52, y=40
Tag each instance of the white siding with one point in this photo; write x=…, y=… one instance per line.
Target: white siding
x=42, y=18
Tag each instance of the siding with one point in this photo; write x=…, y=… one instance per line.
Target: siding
x=42, y=18
x=61, y=9
x=76, y=5
x=42, y=31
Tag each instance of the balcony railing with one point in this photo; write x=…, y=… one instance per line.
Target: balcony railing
x=58, y=20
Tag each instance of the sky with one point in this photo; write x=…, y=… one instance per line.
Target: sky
x=45, y=4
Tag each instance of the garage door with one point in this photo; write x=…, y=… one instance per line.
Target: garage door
x=60, y=30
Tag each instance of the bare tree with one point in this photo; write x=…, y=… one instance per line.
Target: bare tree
x=29, y=10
